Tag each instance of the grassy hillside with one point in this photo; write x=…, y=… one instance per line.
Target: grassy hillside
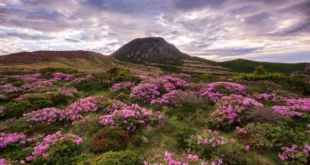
x=247, y=66
x=80, y=60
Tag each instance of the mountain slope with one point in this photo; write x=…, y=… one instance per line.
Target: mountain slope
x=81, y=60
x=152, y=49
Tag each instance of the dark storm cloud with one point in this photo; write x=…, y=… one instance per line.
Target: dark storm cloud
x=258, y=18
x=189, y=5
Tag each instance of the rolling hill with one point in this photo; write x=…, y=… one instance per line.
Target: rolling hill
x=81, y=60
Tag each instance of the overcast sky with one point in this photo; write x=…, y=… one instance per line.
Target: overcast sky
x=263, y=30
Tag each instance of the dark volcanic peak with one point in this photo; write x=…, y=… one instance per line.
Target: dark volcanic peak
x=152, y=49
x=45, y=56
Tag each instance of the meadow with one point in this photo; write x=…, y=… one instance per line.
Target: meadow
x=64, y=116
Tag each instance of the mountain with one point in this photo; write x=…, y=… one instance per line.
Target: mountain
x=152, y=49
x=81, y=60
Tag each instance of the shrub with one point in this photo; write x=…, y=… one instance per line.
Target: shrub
x=59, y=99
x=183, y=134
x=233, y=154
x=18, y=125
x=265, y=115
x=109, y=139
x=207, y=77
x=32, y=97
x=16, y=109
x=63, y=70
x=42, y=128
x=91, y=85
x=43, y=104
x=114, y=158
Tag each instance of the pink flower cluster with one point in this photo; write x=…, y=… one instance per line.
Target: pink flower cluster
x=1, y=110
x=68, y=92
x=8, y=138
x=76, y=110
x=168, y=99
x=80, y=79
x=215, y=91
x=37, y=85
x=122, y=86
x=115, y=106
x=292, y=154
x=171, y=159
x=28, y=77
x=268, y=97
x=230, y=107
x=210, y=139
x=4, y=162
x=145, y=92
x=130, y=117
x=46, y=115
x=154, y=88
x=41, y=148
x=61, y=76
x=8, y=88
x=293, y=107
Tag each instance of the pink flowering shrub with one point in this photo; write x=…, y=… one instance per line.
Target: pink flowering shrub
x=232, y=108
x=42, y=149
x=77, y=109
x=206, y=143
x=114, y=106
x=123, y=86
x=178, y=98
x=269, y=98
x=27, y=77
x=8, y=138
x=46, y=115
x=129, y=118
x=154, y=88
x=295, y=155
x=61, y=76
x=293, y=107
x=172, y=159
x=4, y=162
x=215, y=91
x=145, y=92
x=37, y=85
x=9, y=88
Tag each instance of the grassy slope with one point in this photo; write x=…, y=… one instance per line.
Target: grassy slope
x=247, y=66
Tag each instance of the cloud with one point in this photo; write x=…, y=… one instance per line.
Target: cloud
x=220, y=29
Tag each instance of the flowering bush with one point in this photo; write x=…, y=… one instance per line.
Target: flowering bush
x=129, y=118
x=171, y=159
x=9, y=88
x=178, y=98
x=231, y=108
x=76, y=110
x=206, y=143
x=8, y=138
x=37, y=85
x=149, y=91
x=293, y=107
x=269, y=98
x=42, y=149
x=62, y=76
x=215, y=91
x=123, y=86
x=114, y=106
x=295, y=155
x=27, y=77
x=46, y=115
x=145, y=92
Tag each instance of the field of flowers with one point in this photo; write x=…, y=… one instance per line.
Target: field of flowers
x=62, y=116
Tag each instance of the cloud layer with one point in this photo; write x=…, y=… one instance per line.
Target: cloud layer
x=265, y=30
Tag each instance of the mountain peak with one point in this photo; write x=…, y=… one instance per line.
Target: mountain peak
x=151, y=49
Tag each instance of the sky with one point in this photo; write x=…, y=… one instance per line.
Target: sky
x=220, y=30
